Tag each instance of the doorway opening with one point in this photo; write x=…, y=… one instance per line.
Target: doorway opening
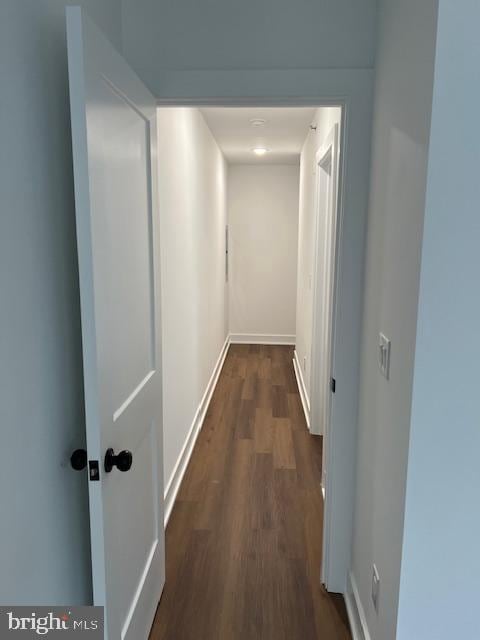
x=255, y=172
x=275, y=187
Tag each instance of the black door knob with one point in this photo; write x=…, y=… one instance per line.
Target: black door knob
x=123, y=460
x=78, y=459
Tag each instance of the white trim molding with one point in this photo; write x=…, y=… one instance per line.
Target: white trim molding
x=355, y=611
x=261, y=87
x=302, y=388
x=180, y=467
x=260, y=338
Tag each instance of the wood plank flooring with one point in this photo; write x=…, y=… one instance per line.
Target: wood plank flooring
x=244, y=538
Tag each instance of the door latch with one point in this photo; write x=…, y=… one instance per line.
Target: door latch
x=79, y=460
x=93, y=471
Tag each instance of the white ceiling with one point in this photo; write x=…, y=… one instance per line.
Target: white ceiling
x=283, y=133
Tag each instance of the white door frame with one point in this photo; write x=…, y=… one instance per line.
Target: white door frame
x=327, y=242
x=351, y=90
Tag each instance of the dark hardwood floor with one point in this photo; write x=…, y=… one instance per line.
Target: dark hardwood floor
x=244, y=538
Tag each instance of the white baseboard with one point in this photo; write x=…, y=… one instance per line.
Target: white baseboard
x=302, y=388
x=356, y=614
x=260, y=338
x=178, y=472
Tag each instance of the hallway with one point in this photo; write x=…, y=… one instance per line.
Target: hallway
x=243, y=542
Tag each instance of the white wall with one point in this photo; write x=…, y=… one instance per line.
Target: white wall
x=439, y=590
x=44, y=536
x=403, y=96
x=192, y=192
x=263, y=227
x=325, y=119
x=272, y=34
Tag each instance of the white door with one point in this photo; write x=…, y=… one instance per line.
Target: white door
x=113, y=132
x=327, y=234
x=327, y=176
x=326, y=241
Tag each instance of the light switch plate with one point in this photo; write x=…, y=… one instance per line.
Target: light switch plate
x=384, y=349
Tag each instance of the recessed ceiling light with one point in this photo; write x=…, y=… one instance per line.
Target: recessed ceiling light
x=259, y=151
x=257, y=122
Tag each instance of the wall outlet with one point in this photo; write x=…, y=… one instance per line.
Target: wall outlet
x=384, y=348
x=375, y=587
